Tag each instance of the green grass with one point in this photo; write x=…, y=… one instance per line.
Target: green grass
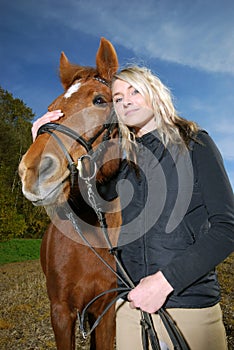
x=17, y=250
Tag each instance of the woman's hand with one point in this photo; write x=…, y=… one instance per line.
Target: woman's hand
x=46, y=118
x=151, y=293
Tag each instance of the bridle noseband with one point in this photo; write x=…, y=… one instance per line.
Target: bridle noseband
x=91, y=155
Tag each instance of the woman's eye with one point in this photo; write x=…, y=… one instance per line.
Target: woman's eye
x=99, y=101
x=117, y=100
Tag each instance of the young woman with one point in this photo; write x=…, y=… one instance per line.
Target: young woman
x=172, y=267
x=177, y=212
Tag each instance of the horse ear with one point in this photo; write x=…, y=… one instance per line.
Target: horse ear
x=106, y=60
x=67, y=71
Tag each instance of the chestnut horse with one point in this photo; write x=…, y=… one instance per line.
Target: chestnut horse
x=74, y=274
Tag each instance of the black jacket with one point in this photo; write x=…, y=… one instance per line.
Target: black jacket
x=178, y=217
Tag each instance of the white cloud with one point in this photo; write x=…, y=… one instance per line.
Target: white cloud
x=199, y=34
x=225, y=127
x=196, y=33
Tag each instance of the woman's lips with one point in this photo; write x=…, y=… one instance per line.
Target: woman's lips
x=130, y=111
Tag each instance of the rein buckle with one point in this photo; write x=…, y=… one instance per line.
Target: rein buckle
x=81, y=169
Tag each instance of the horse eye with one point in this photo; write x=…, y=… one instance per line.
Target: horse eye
x=99, y=100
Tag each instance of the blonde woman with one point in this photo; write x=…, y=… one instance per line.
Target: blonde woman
x=171, y=259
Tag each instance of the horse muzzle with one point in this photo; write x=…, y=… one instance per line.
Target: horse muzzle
x=44, y=185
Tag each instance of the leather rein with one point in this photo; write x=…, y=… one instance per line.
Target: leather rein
x=148, y=331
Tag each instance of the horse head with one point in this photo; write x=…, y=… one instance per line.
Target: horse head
x=46, y=167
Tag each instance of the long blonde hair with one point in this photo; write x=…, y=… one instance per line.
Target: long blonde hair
x=171, y=128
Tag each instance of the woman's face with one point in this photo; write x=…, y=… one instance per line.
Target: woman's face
x=132, y=108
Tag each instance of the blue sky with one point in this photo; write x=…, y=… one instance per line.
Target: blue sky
x=189, y=44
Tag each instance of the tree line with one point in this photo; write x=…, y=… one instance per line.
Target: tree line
x=18, y=217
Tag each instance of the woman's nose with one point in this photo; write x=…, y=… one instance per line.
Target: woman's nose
x=127, y=101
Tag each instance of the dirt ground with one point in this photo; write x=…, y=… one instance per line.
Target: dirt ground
x=24, y=314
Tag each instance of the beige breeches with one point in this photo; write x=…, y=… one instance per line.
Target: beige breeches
x=203, y=329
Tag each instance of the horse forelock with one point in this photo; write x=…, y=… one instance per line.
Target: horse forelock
x=82, y=75
x=72, y=73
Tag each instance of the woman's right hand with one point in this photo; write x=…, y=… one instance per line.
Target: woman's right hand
x=46, y=118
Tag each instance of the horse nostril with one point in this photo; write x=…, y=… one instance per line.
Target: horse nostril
x=48, y=166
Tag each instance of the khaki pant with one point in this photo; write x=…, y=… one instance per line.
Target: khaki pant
x=203, y=329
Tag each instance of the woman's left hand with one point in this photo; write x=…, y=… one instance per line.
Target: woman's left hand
x=46, y=118
x=151, y=293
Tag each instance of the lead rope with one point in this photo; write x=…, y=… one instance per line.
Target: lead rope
x=146, y=322
x=146, y=319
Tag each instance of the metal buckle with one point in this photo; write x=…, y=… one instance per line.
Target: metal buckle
x=93, y=166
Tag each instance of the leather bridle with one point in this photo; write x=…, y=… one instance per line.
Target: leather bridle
x=91, y=155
